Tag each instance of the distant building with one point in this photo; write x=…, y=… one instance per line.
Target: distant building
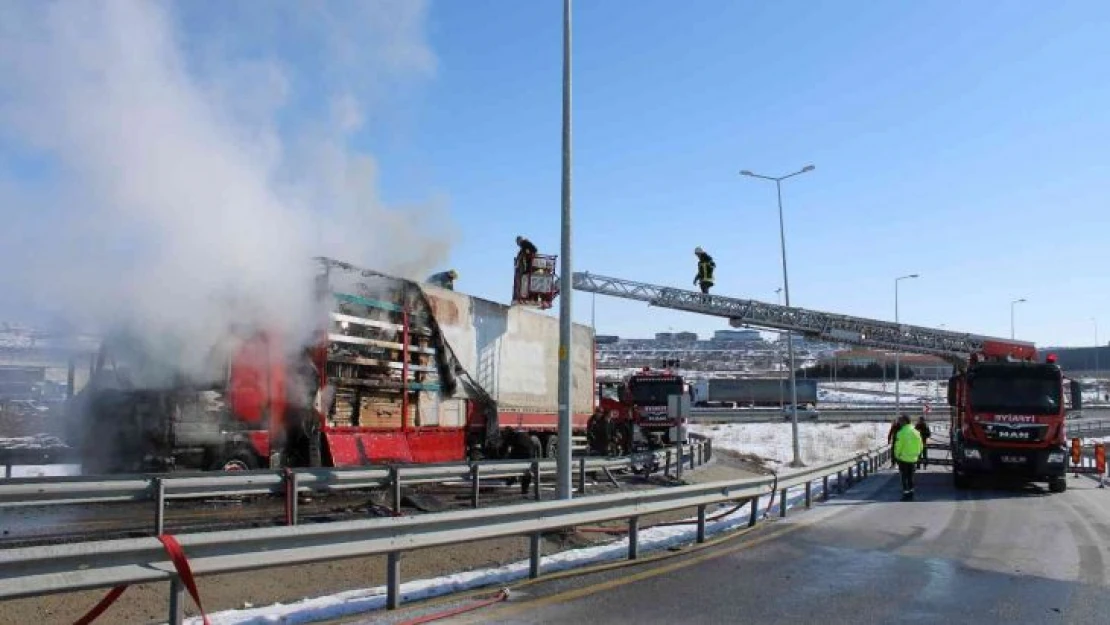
x=686, y=336
x=741, y=336
x=664, y=336
x=607, y=339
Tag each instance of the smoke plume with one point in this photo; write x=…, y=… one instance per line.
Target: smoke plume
x=172, y=168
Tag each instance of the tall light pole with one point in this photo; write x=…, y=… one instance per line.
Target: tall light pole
x=898, y=354
x=562, y=464
x=1012, y=305
x=797, y=462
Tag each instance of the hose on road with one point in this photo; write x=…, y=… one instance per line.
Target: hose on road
x=502, y=595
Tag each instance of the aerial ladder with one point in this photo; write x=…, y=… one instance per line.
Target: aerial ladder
x=954, y=347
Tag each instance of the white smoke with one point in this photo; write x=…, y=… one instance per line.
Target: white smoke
x=173, y=168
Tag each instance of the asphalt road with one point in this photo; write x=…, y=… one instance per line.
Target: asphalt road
x=1005, y=555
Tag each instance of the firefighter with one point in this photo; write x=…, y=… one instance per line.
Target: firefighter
x=444, y=279
x=525, y=255
x=923, y=429
x=706, y=266
x=907, y=451
x=519, y=445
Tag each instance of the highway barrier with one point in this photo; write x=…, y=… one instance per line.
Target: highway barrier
x=116, y=564
x=290, y=483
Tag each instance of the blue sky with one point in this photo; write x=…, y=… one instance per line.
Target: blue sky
x=966, y=143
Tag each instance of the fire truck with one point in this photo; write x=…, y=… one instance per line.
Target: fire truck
x=394, y=372
x=636, y=406
x=1008, y=409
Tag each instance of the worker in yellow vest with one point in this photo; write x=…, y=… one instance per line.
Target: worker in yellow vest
x=907, y=450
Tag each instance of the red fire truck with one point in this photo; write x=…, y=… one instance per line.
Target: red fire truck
x=1008, y=416
x=638, y=403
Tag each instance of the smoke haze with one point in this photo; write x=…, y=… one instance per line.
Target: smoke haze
x=174, y=168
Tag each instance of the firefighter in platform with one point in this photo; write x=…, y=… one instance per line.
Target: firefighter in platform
x=444, y=279
x=704, y=277
x=524, y=258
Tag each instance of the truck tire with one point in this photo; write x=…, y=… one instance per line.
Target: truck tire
x=962, y=481
x=234, y=459
x=551, y=448
x=1057, y=484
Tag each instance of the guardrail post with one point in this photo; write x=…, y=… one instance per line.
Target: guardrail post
x=809, y=494
x=395, y=489
x=159, y=506
x=701, y=454
x=692, y=467
x=291, y=503
x=708, y=449
x=701, y=523
x=7, y=471
x=536, y=478
x=667, y=467
x=475, y=484
x=534, y=555
x=393, y=580
x=754, y=516
x=633, y=537
x=825, y=488
x=839, y=482
x=177, y=601
x=782, y=502
x=581, y=475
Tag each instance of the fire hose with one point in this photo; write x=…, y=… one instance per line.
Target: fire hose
x=502, y=595
x=184, y=573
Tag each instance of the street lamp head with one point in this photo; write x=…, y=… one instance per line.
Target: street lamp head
x=913, y=275
x=808, y=168
x=746, y=173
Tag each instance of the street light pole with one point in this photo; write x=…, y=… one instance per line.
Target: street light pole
x=797, y=462
x=898, y=354
x=1012, y=305
x=563, y=459
x=1098, y=382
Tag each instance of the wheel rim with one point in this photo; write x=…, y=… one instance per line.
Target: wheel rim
x=235, y=465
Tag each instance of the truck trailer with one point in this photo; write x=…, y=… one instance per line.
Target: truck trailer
x=741, y=392
x=395, y=372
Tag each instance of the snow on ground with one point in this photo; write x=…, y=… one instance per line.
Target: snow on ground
x=819, y=442
x=46, y=470
x=38, y=441
x=368, y=599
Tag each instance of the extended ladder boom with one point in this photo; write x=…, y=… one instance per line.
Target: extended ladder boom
x=952, y=346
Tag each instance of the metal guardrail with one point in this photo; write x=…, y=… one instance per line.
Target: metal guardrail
x=33, y=571
x=40, y=491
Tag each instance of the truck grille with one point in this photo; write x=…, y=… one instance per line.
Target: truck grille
x=1015, y=432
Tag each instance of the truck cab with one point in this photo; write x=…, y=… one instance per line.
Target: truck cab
x=638, y=403
x=1008, y=419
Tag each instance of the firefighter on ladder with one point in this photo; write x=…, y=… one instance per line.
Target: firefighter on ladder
x=704, y=277
x=524, y=258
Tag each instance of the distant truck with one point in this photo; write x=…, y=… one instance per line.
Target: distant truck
x=739, y=392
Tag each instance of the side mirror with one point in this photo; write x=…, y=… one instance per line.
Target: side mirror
x=952, y=390
x=1076, y=394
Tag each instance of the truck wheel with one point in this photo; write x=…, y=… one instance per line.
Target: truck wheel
x=551, y=449
x=235, y=459
x=1057, y=484
x=961, y=481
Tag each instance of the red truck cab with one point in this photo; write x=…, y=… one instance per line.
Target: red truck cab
x=1008, y=419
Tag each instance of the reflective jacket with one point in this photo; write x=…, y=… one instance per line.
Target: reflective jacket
x=907, y=444
x=705, y=268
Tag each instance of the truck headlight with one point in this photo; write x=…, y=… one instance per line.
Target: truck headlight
x=973, y=454
x=1056, y=457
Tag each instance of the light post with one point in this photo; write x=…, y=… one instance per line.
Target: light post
x=1098, y=382
x=782, y=402
x=1012, y=305
x=562, y=461
x=898, y=354
x=797, y=462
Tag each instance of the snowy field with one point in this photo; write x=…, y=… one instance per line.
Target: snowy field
x=819, y=442
x=46, y=470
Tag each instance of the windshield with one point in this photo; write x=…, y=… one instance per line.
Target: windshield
x=649, y=392
x=1016, y=394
